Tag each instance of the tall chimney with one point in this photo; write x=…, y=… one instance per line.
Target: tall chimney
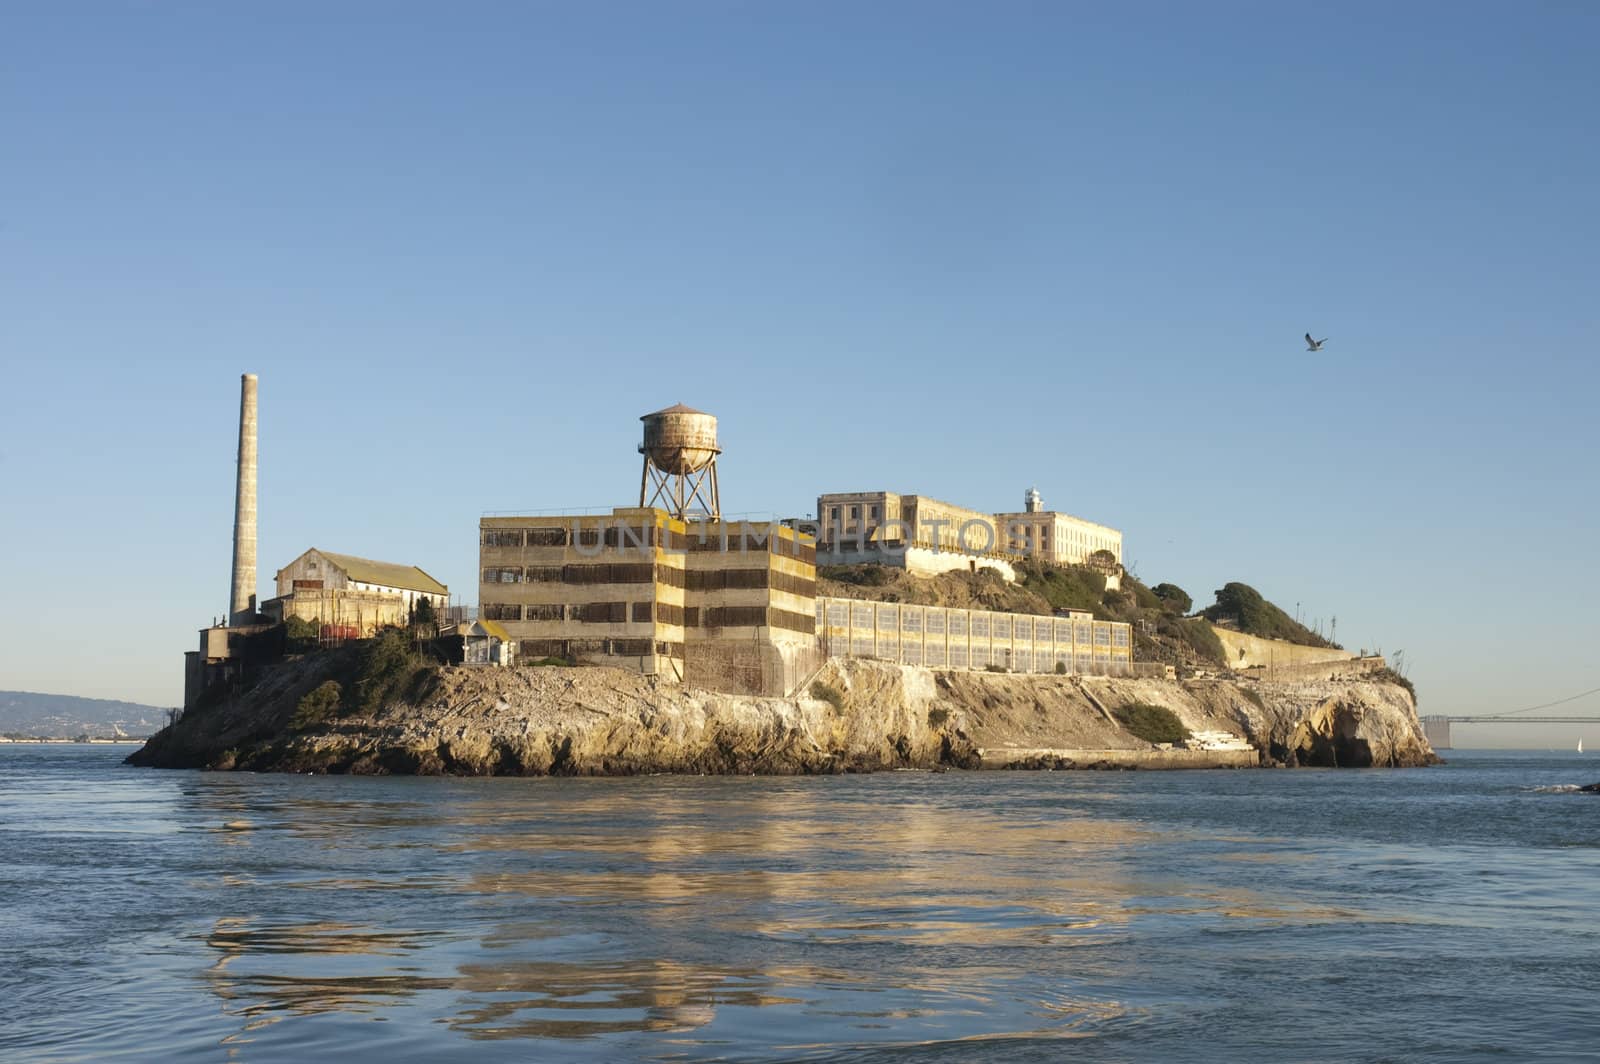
x=242, y=602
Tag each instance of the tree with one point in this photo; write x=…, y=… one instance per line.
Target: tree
x=1173, y=598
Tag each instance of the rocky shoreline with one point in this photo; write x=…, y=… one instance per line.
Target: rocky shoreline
x=858, y=716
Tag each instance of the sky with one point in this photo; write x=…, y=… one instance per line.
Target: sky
x=951, y=249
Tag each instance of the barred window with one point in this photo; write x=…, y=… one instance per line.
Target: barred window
x=501, y=611
x=502, y=575
x=546, y=611
x=671, y=576
x=629, y=648
x=602, y=612
x=736, y=617
x=547, y=537
x=544, y=574
x=539, y=649
x=502, y=537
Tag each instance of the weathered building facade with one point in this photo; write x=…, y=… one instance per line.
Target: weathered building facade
x=927, y=536
x=355, y=595
x=722, y=604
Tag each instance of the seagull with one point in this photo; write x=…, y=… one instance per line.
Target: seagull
x=1314, y=345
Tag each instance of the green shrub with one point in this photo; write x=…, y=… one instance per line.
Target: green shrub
x=1069, y=588
x=1061, y=668
x=300, y=635
x=992, y=667
x=317, y=707
x=869, y=574
x=388, y=671
x=828, y=693
x=560, y=663
x=1194, y=633
x=1173, y=598
x=1153, y=724
x=1389, y=675
x=937, y=716
x=1243, y=605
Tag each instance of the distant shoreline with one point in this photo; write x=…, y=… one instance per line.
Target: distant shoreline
x=128, y=741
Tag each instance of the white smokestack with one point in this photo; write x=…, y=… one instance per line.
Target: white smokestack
x=242, y=601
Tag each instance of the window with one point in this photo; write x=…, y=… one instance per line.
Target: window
x=874, y=511
x=502, y=575
x=855, y=511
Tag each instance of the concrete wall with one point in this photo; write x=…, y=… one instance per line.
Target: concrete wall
x=365, y=611
x=1249, y=651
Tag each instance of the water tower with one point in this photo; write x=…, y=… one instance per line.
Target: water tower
x=680, y=462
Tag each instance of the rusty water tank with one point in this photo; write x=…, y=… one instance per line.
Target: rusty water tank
x=679, y=440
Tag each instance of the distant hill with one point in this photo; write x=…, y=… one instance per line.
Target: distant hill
x=27, y=714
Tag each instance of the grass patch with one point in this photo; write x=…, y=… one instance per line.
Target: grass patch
x=937, y=716
x=1153, y=724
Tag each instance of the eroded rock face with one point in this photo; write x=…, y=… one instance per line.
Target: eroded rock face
x=595, y=721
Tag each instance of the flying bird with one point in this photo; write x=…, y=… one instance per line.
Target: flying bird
x=1314, y=345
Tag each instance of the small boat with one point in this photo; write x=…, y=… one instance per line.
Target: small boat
x=1580, y=746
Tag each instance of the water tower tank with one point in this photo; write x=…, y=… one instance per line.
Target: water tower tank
x=679, y=440
x=680, y=462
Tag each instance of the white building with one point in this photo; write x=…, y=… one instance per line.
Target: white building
x=323, y=571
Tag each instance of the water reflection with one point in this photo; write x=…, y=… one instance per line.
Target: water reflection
x=689, y=911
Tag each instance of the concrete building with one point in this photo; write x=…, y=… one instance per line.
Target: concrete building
x=355, y=595
x=914, y=532
x=940, y=637
x=722, y=604
x=928, y=536
x=1053, y=536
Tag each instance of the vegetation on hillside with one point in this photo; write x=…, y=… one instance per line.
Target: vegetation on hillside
x=1153, y=724
x=1241, y=606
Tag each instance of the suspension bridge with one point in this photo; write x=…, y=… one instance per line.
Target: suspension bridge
x=1436, y=726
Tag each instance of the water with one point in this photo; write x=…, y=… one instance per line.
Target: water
x=1431, y=914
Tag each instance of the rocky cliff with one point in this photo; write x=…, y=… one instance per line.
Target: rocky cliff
x=857, y=716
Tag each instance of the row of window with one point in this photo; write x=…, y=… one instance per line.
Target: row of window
x=934, y=621
x=742, y=539
x=530, y=650
x=648, y=612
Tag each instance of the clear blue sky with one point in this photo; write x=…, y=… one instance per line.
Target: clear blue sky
x=949, y=249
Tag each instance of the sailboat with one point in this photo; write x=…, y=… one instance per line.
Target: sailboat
x=1580, y=746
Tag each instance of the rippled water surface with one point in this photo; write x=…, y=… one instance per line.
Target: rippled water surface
x=1437, y=914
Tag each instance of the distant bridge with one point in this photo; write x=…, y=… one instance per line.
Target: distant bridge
x=1436, y=727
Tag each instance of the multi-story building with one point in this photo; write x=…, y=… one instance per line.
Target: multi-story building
x=1055, y=537
x=722, y=604
x=927, y=535
x=354, y=595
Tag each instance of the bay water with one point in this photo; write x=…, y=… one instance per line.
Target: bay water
x=1449, y=913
